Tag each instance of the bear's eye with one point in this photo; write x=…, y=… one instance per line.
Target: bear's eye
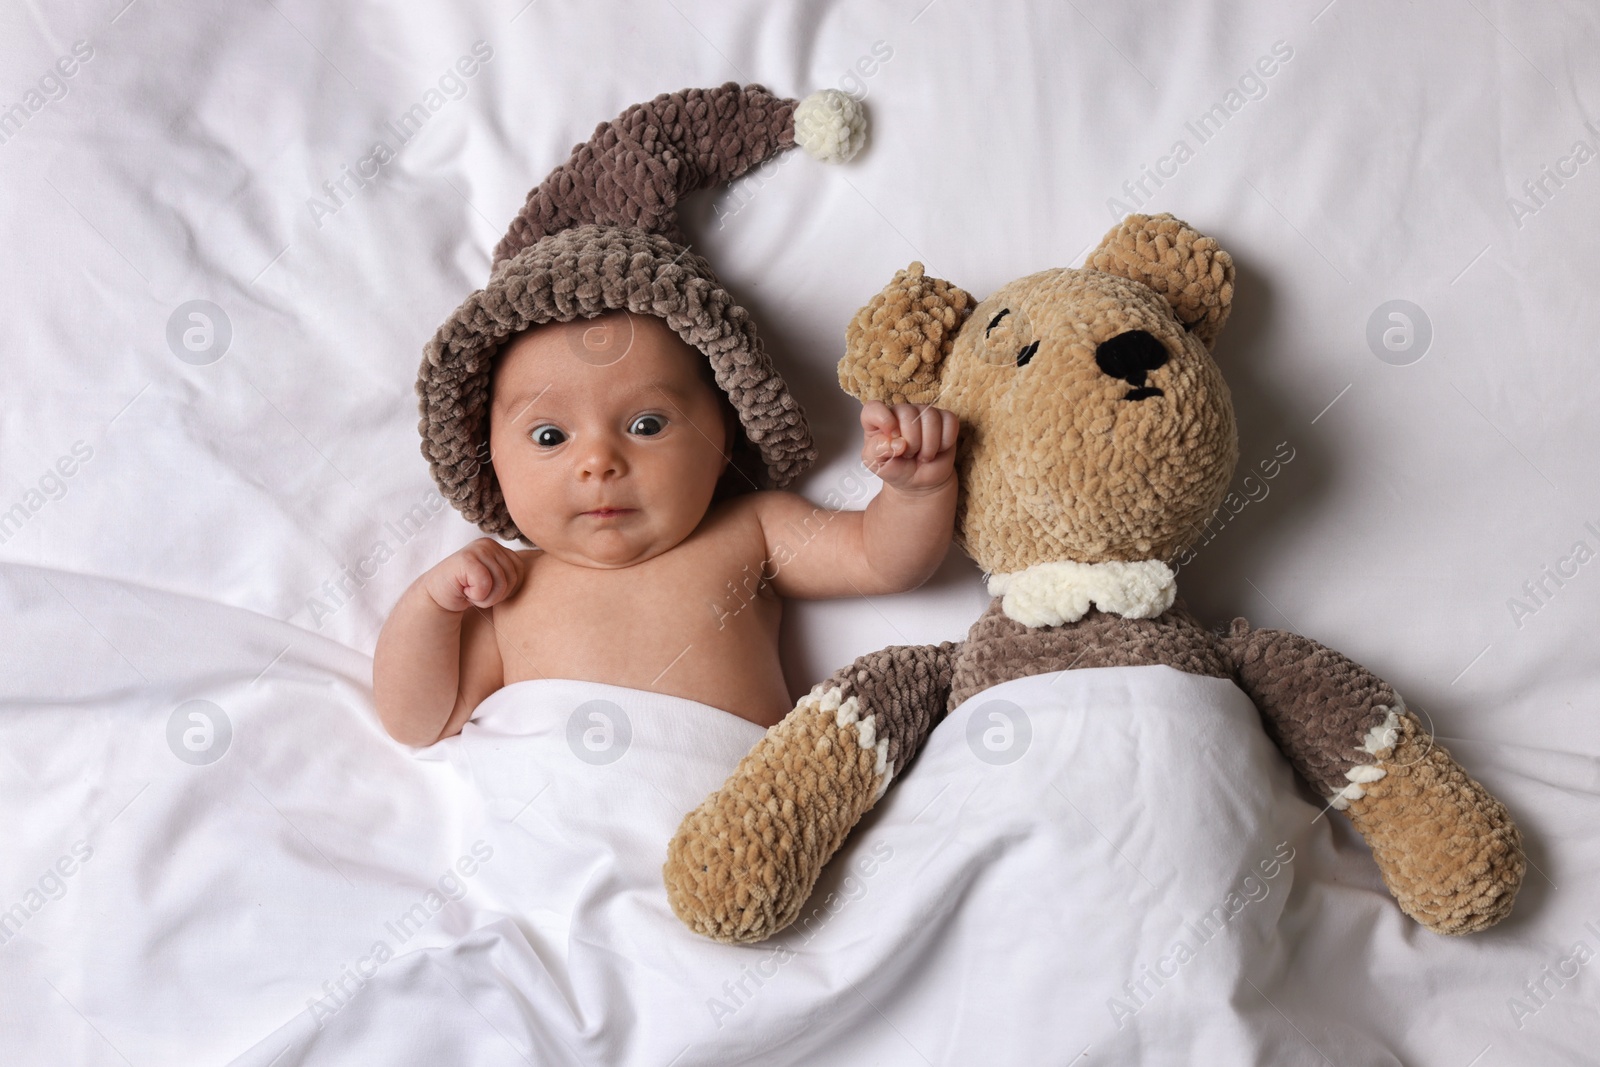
x=1007, y=340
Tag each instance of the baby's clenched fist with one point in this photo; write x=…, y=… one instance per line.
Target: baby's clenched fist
x=911, y=447
x=479, y=576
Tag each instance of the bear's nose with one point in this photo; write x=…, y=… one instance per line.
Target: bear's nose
x=1130, y=356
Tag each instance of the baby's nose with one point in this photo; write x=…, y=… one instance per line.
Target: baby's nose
x=600, y=460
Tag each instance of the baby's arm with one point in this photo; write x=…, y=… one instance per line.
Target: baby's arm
x=903, y=535
x=437, y=658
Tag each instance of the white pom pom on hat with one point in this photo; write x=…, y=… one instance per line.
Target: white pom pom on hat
x=831, y=125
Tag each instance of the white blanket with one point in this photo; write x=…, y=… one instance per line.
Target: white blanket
x=263, y=877
x=1101, y=858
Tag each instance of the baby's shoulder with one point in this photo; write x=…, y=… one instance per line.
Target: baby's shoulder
x=759, y=509
x=775, y=508
x=780, y=521
x=742, y=506
x=745, y=525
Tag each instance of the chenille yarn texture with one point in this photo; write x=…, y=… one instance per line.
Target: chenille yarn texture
x=600, y=234
x=1096, y=431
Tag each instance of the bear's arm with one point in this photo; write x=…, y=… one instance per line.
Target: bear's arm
x=742, y=865
x=1446, y=848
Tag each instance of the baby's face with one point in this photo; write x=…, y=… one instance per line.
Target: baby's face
x=610, y=412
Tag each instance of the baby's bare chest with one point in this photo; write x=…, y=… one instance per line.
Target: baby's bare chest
x=706, y=602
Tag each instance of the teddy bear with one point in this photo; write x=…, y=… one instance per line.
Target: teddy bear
x=1097, y=438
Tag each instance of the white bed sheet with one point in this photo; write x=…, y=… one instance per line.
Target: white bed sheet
x=950, y=909
x=196, y=549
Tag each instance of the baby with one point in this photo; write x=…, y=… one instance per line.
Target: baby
x=612, y=470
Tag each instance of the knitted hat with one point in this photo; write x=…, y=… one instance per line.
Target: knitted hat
x=601, y=234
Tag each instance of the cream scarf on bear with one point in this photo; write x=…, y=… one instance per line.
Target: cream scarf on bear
x=1050, y=594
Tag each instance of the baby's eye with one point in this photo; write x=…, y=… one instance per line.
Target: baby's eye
x=547, y=436
x=647, y=425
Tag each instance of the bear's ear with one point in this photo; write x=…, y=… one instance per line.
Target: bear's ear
x=894, y=347
x=1183, y=265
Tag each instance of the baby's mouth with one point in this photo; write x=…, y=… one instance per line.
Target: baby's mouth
x=608, y=513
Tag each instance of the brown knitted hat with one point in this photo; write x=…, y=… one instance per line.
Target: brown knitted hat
x=601, y=234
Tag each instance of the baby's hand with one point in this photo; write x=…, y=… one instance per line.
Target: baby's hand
x=910, y=446
x=479, y=576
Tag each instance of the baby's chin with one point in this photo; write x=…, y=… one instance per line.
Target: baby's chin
x=606, y=550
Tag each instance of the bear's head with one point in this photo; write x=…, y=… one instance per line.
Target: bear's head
x=1094, y=424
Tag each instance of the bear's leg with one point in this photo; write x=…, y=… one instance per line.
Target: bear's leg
x=1446, y=848
x=743, y=864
